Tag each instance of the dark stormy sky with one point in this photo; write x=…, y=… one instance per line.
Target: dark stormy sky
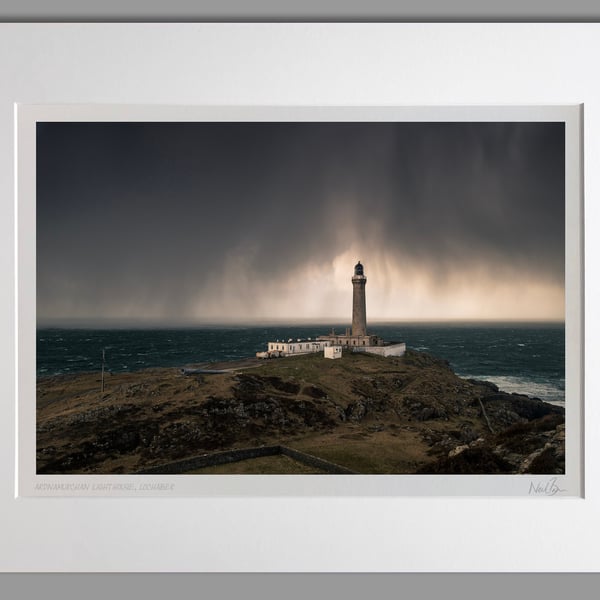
x=198, y=222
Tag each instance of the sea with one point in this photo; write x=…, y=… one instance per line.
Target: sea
x=520, y=358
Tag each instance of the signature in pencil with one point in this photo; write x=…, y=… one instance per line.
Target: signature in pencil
x=548, y=488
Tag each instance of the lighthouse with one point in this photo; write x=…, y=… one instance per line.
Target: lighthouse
x=359, y=305
x=355, y=340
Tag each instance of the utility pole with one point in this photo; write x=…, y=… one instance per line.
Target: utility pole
x=102, y=370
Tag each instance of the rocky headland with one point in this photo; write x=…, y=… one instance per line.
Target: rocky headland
x=365, y=413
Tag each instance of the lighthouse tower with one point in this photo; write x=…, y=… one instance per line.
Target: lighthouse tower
x=359, y=309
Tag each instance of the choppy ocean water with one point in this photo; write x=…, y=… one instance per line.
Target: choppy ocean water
x=521, y=358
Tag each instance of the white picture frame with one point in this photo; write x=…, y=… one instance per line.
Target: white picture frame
x=322, y=73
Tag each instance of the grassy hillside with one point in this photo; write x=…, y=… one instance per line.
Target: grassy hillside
x=367, y=413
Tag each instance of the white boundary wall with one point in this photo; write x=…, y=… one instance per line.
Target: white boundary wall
x=392, y=350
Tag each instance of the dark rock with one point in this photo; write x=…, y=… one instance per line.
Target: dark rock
x=356, y=411
x=467, y=434
x=422, y=359
x=487, y=384
x=421, y=411
x=314, y=392
x=288, y=387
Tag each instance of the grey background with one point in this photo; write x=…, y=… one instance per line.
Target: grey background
x=297, y=586
x=293, y=10
x=422, y=586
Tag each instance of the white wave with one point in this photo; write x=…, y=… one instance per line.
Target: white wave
x=547, y=392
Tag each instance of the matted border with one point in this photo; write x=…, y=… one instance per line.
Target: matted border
x=31, y=484
x=319, y=65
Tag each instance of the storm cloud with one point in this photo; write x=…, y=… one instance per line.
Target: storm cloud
x=197, y=222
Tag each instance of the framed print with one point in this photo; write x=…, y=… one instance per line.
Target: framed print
x=186, y=393
x=194, y=336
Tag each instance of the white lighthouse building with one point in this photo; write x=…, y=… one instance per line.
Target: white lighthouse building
x=355, y=339
x=358, y=339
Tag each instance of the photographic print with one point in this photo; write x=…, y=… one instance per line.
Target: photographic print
x=304, y=297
